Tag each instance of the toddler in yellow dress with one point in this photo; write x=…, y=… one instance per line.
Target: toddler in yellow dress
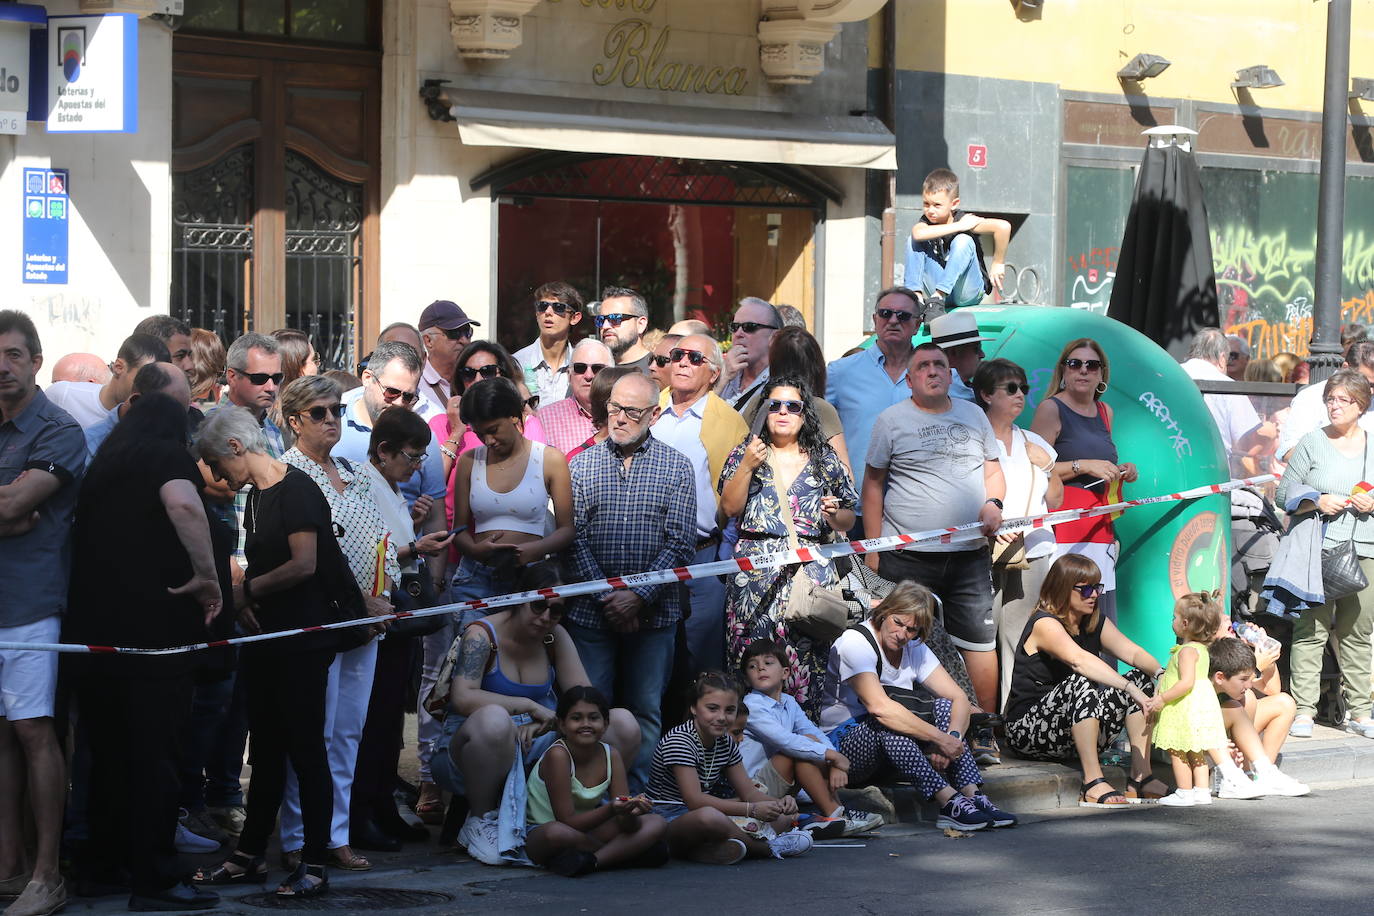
x=1190, y=725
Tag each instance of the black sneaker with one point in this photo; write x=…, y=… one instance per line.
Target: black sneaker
x=960, y=813
x=999, y=817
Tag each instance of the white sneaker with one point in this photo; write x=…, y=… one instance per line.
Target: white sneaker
x=193, y=843
x=1233, y=786
x=791, y=843
x=856, y=822
x=1179, y=798
x=479, y=836
x=1277, y=782
x=1202, y=796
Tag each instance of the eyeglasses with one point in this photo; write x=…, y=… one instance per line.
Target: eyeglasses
x=390, y=394
x=532, y=402
x=317, y=414
x=583, y=368
x=749, y=327
x=614, y=319
x=1012, y=388
x=471, y=372
x=1092, y=365
x=463, y=333
x=1334, y=401
x=1089, y=591
x=660, y=361
x=415, y=460
x=559, y=308
x=636, y=414
x=776, y=406
x=889, y=314
x=261, y=378
x=695, y=357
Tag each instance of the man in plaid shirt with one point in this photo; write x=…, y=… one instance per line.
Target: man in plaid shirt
x=634, y=499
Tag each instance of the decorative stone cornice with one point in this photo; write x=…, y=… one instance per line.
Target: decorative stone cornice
x=487, y=29
x=793, y=35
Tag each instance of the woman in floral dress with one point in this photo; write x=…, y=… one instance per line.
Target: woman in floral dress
x=789, y=457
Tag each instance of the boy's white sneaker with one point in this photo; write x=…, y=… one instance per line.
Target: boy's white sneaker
x=856, y=822
x=1179, y=798
x=791, y=843
x=1235, y=785
x=1277, y=782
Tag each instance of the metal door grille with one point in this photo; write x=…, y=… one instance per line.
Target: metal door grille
x=212, y=244
x=324, y=253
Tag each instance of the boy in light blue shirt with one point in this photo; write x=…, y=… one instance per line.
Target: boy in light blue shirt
x=783, y=749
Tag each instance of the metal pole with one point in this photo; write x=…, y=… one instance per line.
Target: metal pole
x=1326, y=326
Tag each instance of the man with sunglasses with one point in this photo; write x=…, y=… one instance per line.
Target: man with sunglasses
x=548, y=361
x=746, y=363
x=957, y=334
x=704, y=428
x=622, y=317
x=568, y=423
x=445, y=329
x=634, y=502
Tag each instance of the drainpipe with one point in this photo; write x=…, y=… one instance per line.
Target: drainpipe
x=889, y=231
x=1326, y=325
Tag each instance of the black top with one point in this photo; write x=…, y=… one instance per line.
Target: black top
x=126, y=554
x=1033, y=676
x=272, y=515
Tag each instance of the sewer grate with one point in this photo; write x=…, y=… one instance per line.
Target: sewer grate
x=359, y=898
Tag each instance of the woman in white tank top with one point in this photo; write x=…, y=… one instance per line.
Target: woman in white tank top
x=501, y=491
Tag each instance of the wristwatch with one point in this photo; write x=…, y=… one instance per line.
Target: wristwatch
x=954, y=733
x=1075, y=465
x=996, y=502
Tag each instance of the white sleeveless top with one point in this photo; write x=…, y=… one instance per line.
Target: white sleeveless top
x=523, y=509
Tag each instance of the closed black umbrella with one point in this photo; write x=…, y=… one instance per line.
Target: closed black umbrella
x=1165, y=286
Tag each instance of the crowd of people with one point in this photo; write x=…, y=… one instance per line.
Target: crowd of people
x=197, y=492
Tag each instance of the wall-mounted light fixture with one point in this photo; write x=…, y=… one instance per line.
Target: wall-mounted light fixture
x=1257, y=77
x=1143, y=67
x=1362, y=88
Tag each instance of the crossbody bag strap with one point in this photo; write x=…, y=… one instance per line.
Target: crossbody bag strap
x=784, y=506
x=1030, y=472
x=868, y=635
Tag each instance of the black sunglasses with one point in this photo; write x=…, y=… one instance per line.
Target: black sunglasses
x=262, y=378
x=614, y=319
x=695, y=357
x=390, y=394
x=776, y=406
x=1012, y=388
x=463, y=333
x=889, y=314
x=636, y=414
x=581, y=368
x=559, y=308
x=1092, y=365
x=749, y=327
x=1232, y=357
x=1088, y=591
x=471, y=372
x=532, y=402
x=317, y=414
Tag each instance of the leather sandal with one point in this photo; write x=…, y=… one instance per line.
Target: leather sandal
x=1103, y=800
x=1137, y=794
x=300, y=885
x=249, y=870
x=344, y=857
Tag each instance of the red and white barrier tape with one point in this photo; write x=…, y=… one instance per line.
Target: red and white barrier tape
x=823, y=553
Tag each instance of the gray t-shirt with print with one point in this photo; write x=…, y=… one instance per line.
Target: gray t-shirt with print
x=934, y=465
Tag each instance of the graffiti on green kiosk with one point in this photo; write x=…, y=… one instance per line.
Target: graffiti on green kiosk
x=1197, y=558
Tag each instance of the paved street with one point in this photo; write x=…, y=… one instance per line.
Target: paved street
x=1302, y=855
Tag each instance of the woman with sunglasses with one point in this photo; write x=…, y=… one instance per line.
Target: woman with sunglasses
x=507, y=669
x=786, y=486
x=1075, y=422
x=1066, y=702
x=795, y=351
x=313, y=410
x=1020, y=561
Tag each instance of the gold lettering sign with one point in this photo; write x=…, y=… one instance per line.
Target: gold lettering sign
x=639, y=6
x=632, y=54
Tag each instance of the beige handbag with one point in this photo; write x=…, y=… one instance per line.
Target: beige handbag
x=817, y=612
x=1008, y=555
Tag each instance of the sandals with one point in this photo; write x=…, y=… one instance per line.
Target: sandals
x=300, y=885
x=1136, y=793
x=1102, y=800
x=430, y=806
x=344, y=857
x=251, y=870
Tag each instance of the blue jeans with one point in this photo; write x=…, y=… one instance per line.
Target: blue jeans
x=209, y=707
x=641, y=662
x=706, y=625
x=960, y=280
x=474, y=580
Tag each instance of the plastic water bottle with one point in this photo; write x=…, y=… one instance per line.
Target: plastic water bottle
x=1256, y=637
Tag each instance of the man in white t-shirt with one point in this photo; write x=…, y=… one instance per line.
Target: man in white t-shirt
x=89, y=403
x=1243, y=432
x=1308, y=410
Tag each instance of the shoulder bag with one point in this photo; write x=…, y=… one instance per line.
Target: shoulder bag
x=1341, y=572
x=916, y=699
x=817, y=612
x=1012, y=554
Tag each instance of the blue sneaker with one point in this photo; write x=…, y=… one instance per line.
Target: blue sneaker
x=999, y=817
x=960, y=813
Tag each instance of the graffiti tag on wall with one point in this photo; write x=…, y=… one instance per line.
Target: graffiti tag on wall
x=1093, y=273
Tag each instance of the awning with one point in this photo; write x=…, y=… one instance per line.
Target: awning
x=649, y=129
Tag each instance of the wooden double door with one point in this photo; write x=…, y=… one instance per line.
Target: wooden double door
x=275, y=197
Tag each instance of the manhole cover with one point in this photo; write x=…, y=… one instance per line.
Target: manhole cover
x=357, y=898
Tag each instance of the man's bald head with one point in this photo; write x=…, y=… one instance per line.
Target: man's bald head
x=81, y=367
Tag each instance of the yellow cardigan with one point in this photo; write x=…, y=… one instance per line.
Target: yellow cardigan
x=722, y=428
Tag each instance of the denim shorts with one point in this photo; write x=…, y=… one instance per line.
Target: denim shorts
x=671, y=813
x=446, y=773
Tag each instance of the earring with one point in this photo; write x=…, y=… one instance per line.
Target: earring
x=1101, y=387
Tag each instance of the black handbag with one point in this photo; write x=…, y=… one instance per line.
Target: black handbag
x=416, y=592
x=1341, y=572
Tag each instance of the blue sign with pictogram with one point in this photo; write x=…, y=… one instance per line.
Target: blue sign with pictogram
x=47, y=208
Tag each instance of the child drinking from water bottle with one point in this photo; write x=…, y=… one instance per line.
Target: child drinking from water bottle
x=1190, y=725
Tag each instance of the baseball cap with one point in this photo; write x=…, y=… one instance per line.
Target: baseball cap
x=446, y=315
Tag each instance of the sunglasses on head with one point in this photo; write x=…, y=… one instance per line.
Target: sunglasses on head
x=615, y=319
x=559, y=308
x=262, y=378
x=583, y=368
x=1092, y=365
x=317, y=414
x=463, y=333
x=749, y=327
x=1013, y=388
x=1089, y=591
x=889, y=314
x=471, y=372
x=390, y=394
x=776, y=406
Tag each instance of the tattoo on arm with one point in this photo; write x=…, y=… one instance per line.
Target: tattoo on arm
x=472, y=659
